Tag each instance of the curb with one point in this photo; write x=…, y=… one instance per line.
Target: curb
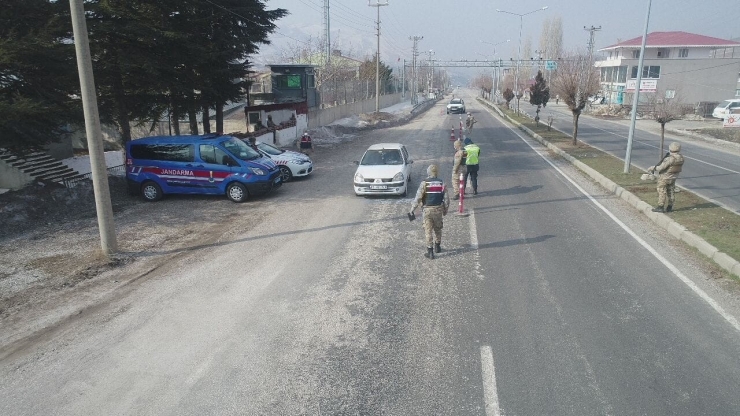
x=672, y=227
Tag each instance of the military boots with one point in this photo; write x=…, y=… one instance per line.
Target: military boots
x=437, y=248
x=658, y=209
x=430, y=253
x=669, y=208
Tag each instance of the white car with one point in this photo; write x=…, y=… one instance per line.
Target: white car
x=725, y=108
x=292, y=164
x=456, y=106
x=385, y=168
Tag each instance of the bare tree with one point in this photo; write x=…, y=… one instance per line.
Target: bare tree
x=665, y=106
x=551, y=38
x=575, y=80
x=525, y=66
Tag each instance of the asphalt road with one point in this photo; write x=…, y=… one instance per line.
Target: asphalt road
x=710, y=172
x=541, y=303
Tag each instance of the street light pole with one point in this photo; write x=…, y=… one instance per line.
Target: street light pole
x=495, y=81
x=633, y=115
x=519, y=53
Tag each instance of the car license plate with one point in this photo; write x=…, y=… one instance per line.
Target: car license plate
x=378, y=186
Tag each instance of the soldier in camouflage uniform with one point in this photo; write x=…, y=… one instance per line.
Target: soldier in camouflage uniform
x=457, y=168
x=668, y=171
x=432, y=197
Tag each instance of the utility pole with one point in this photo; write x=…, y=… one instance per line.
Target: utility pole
x=93, y=131
x=327, y=35
x=414, y=54
x=377, y=56
x=403, y=80
x=636, y=99
x=592, y=34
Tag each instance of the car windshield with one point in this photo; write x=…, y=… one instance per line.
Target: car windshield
x=240, y=149
x=725, y=103
x=270, y=149
x=456, y=101
x=382, y=157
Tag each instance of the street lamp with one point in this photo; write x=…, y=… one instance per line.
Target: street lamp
x=519, y=54
x=495, y=81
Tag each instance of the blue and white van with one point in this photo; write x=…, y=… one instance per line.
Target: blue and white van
x=206, y=164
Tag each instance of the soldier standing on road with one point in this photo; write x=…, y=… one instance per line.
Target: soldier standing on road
x=432, y=197
x=469, y=122
x=472, y=153
x=457, y=167
x=668, y=169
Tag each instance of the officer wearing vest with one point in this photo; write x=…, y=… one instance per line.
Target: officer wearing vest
x=668, y=171
x=472, y=152
x=432, y=197
x=305, y=145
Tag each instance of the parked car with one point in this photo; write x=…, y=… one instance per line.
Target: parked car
x=291, y=164
x=206, y=164
x=456, y=106
x=725, y=108
x=385, y=168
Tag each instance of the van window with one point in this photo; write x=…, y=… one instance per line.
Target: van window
x=164, y=152
x=240, y=149
x=212, y=154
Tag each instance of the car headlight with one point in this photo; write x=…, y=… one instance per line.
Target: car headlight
x=302, y=161
x=359, y=178
x=258, y=171
x=398, y=177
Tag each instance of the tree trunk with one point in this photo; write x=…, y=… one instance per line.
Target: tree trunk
x=175, y=120
x=662, y=138
x=220, y=118
x=576, y=115
x=192, y=117
x=206, y=119
x=124, y=124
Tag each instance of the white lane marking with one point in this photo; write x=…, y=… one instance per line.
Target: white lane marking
x=729, y=318
x=490, y=394
x=473, y=232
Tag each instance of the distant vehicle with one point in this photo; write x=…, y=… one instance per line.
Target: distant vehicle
x=725, y=108
x=385, y=168
x=456, y=106
x=207, y=164
x=291, y=164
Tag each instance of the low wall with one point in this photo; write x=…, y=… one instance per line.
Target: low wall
x=324, y=116
x=12, y=178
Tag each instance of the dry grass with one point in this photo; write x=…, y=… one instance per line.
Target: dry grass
x=713, y=223
x=730, y=134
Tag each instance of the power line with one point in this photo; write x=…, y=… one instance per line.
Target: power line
x=256, y=22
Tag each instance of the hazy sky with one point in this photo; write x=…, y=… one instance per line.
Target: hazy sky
x=454, y=28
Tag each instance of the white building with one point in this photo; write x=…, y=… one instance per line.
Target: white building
x=692, y=68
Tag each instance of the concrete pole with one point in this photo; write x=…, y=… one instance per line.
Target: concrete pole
x=93, y=131
x=377, y=57
x=635, y=100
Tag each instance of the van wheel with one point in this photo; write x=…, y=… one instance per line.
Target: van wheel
x=151, y=191
x=285, y=174
x=236, y=192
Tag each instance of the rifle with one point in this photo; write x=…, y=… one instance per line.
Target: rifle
x=667, y=154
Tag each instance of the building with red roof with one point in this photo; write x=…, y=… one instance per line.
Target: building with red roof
x=690, y=67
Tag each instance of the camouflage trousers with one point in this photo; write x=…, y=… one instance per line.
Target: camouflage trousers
x=433, y=224
x=666, y=190
x=456, y=183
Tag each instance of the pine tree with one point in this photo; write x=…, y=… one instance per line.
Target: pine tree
x=539, y=94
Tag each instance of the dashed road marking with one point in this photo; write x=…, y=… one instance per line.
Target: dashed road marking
x=490, y=393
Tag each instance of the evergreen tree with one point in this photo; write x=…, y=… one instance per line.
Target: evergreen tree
x=508, y=96
x=39, y=88
x=539, y=94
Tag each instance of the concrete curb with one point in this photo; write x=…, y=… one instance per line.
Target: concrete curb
x=675, y=229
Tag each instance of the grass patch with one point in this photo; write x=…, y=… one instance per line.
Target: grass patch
x=711, y=222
